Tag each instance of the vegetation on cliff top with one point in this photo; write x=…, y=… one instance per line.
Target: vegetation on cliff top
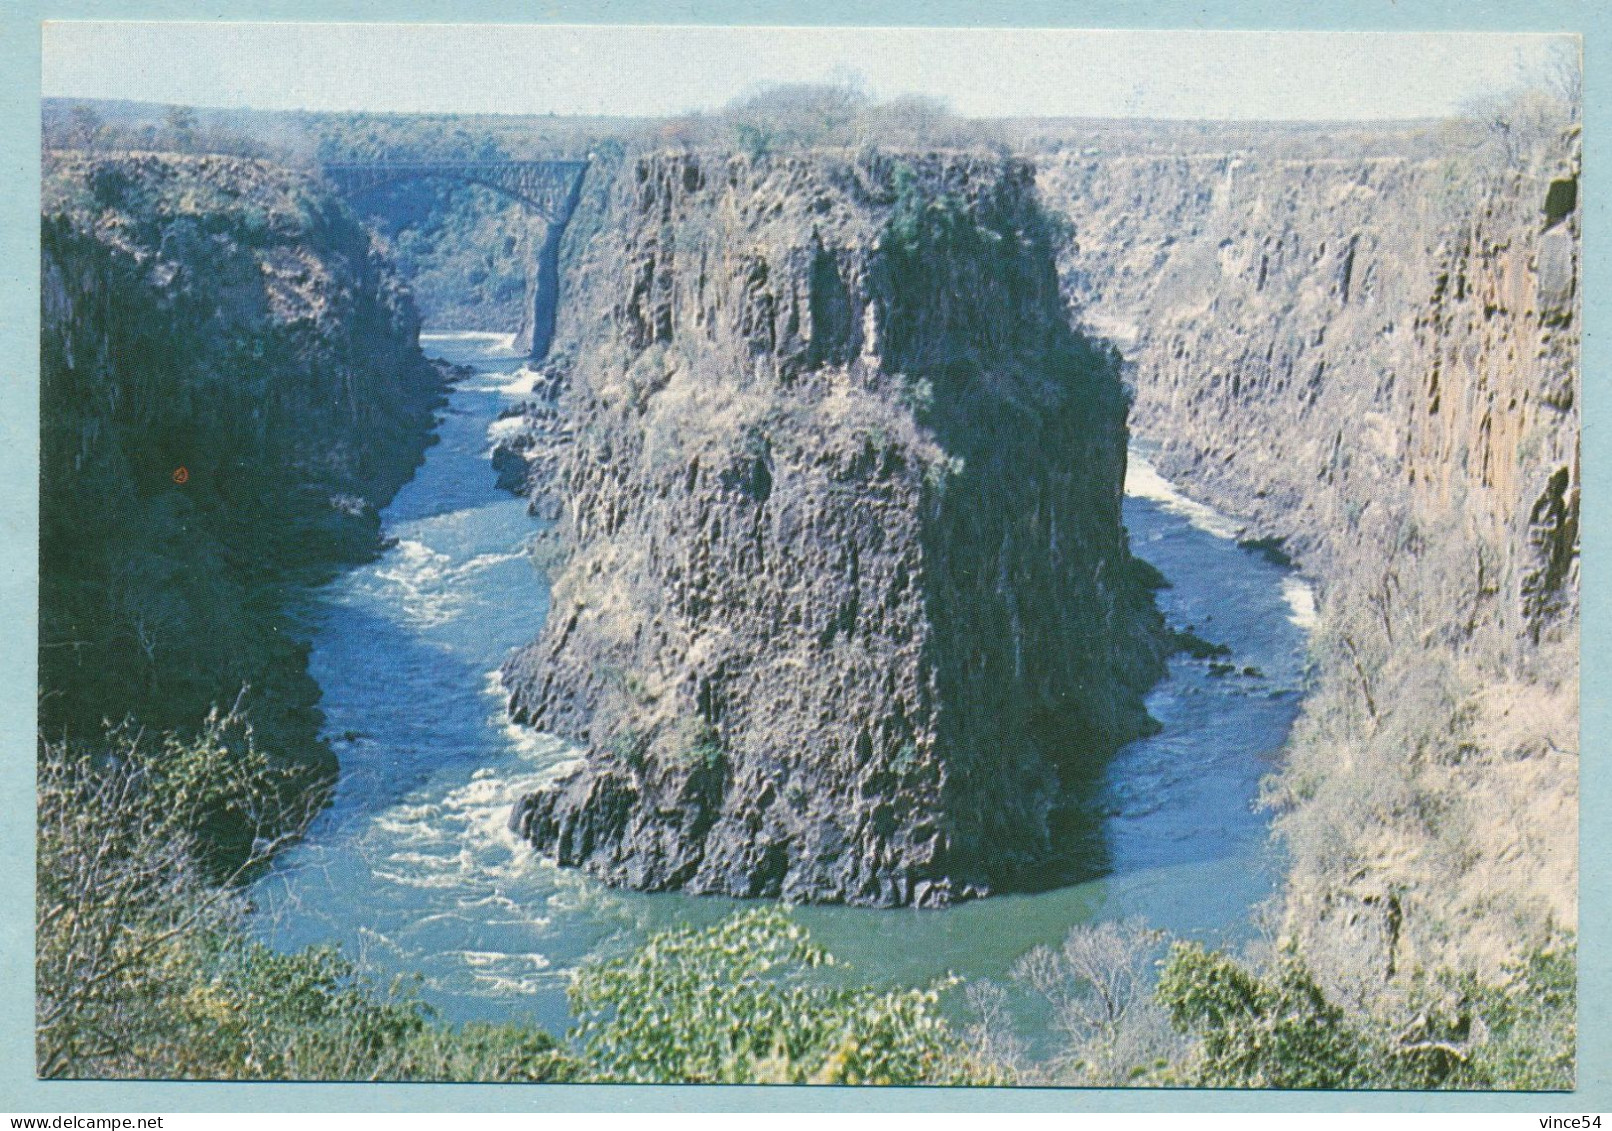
x=145, y=969
x=742, y=1002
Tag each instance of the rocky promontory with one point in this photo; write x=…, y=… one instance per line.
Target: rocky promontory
x=847, y=611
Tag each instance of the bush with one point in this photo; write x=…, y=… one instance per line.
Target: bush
x=260, y=1015
x=745, y=1002
x=1257, y=1033
x=122, y=894
x=1521, y=1034
x=1099, y=985
x=1522, y=126
x=143, y=965
x=799, y=116
x=1277, y=1029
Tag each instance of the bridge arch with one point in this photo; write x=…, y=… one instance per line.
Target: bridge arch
x=550, y=189
x=545, y=187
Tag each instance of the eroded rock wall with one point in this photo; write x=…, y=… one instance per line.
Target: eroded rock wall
x=1312, y=336
x=230, y=389
x=847, y=606
x=1375, y=361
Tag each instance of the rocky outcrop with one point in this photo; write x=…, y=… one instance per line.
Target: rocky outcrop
x=847, y=612
x=230, y=389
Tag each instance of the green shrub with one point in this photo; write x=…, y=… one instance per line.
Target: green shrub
x=1277, y=1028
x=1520, y=1034
x=1259, y=1033
x=260, y=1014
x=746, y=1002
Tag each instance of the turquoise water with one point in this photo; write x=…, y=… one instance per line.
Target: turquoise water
x=413, y=871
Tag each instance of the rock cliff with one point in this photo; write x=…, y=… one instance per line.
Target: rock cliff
x=847, y=612
x=1374, y=361
x=230, y=388
x=1306, y=332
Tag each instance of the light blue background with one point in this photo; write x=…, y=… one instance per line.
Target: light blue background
x=19, y=258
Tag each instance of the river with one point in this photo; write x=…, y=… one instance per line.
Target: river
x=412, y=870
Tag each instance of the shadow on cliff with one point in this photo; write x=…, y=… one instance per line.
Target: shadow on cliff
x=1045, y=637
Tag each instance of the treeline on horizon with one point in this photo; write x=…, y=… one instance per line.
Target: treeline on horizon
x=782, y=116
x=465, y=249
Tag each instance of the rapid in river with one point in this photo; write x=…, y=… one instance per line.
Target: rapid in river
x=413, y=871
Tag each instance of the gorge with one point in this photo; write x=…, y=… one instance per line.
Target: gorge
x=1375, y=362
x=838, y=518
x=231, y=389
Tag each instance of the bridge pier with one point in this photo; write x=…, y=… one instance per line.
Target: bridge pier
x=536, y=334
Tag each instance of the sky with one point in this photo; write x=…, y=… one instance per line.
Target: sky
x=979, y=72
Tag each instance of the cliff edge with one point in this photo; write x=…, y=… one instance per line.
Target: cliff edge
x=1375, y=360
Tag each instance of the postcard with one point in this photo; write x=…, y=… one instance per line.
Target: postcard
x=962, y=557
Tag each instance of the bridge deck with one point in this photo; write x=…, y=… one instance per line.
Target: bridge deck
x=547, y=187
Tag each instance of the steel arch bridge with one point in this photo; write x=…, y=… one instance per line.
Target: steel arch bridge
x=549, y=189
x=546, y=187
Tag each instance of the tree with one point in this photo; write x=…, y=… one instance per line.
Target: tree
x=143, y=965
x=1099, y=984
x=1257, y=1033
x=1275, y=1028
x=85, y=130
x=180, y=122
x=121, y=893
x=1524, y=125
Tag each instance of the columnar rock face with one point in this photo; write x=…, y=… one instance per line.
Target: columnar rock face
x=1312, y=337
x=847, y=606
x=230, y=388
x=1376, y=360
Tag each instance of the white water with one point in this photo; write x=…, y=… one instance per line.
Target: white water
x=1142, y=481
